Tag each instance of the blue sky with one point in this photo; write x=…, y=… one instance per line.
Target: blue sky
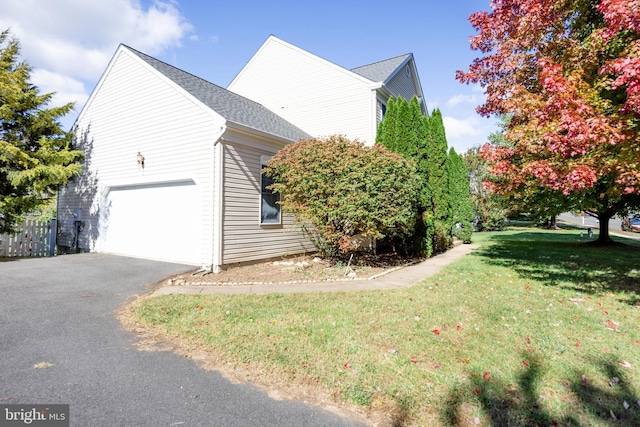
x=69, y=42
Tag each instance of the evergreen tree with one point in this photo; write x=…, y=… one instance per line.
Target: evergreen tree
x=36, y=158
x=405, y=130
x=438, y=182
x=460, y=195
x=386, y=128
x=438, y=176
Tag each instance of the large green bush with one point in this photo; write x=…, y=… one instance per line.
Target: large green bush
x=338, y=188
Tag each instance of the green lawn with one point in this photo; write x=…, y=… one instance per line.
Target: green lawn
x=535, y=327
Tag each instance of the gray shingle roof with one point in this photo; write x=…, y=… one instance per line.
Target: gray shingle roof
x=233, y=107
x=382, y=70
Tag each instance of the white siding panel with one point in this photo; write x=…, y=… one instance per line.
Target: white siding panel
x=135, y=110
x=244, y=238
x=317, y=96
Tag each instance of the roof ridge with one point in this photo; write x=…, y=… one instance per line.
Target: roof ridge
x=192, y=75
x=232, y=106
x=382, y=60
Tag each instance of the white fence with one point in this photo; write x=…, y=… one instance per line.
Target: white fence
x=34, y=238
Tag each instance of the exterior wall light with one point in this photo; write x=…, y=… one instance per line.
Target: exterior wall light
x=140, y=158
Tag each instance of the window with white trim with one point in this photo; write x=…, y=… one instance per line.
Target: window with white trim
x=270, y=212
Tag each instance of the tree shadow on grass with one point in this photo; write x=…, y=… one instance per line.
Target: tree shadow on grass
x=616, y=402
x=520, y=404
x=568, y=261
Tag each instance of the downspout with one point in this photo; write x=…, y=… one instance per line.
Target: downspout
x=218, y=192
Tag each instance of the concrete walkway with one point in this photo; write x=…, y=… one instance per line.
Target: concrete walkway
x=400, y=278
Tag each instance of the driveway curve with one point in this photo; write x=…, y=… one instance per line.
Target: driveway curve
x=60, y=342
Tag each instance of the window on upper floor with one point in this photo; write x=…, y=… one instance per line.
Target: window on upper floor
x=381, y=111
x=270, y=212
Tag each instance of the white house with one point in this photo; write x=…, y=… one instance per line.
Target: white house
x=323, y=98
x=173, y=170
x=173, y=162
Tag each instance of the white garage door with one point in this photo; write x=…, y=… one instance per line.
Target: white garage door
x=158, y=221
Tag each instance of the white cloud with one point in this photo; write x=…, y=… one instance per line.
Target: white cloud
x=67, y=89
x=462, y=99
x=457, y=128
x=468, y=132
x=69, y=42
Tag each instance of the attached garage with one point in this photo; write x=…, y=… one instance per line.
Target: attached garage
x=161, y=221
x=157, y=143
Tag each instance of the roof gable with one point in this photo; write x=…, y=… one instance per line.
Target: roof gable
x=233, y=107
x=271, y=40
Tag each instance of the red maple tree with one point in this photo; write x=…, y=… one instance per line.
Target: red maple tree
x=567, y=72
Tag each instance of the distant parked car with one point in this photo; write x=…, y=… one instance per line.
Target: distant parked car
x=631, y=224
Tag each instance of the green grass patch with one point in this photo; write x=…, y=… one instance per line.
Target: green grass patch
x=535, y=327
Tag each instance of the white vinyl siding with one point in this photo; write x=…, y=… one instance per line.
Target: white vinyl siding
x=317, y=96
x=244, y=238
x=133, y=110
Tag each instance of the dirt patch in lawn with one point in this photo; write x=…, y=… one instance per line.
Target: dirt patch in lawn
x=300, y=269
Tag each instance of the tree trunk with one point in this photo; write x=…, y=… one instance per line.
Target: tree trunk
x=552, y=223
x=603, y=235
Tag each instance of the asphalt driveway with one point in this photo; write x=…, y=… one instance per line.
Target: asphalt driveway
x=61, y=311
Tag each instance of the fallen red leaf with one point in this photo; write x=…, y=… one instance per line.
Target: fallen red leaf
x=577, y=343
x=198, y=307
x=459, y=327
x=347, y=365
x=527, y=340
x=477, y=390
x=527, y=287
x=486, y=375
x=436, y=331
x=414, y=359
x=524, y=363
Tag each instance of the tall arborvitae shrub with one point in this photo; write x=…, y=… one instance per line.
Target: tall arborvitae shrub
x=439, y=182
x=460, y=196
x=404, y=130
